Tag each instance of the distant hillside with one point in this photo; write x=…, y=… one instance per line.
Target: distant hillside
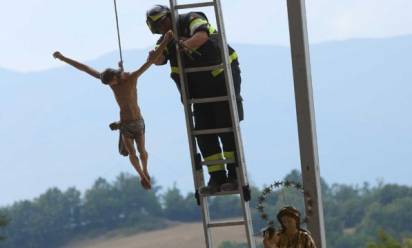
x=179, y=236
x=54, y=123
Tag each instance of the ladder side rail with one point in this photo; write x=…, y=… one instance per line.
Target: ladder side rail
x=184, y=91
x=230, y=90
x=242, y=177
x=190, y=127
x=306, y=119
x=248, y=225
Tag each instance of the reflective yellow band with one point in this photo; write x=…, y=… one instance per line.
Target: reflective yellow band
x=215, y=156
x=215, y=72
x=216, y=167
x=212, y=30
x=229, y=155
x=157, y=17
x=195, y=24
x=199, y=22
x=175, y=69
x=232, y=57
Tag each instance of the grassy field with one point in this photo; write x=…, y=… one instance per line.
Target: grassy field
x=188, y=235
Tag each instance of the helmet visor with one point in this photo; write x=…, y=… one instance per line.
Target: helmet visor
x=155, y=21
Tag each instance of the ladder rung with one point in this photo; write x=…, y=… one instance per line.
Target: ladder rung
x=204, y=68
x=212, y=131
x=226, y=223
x=194, y=5
x=209, y=99
x=221, y=161
x=220, y=193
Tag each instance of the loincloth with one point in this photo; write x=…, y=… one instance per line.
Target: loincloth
x=130, y=129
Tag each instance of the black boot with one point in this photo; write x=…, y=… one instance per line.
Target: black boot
x=232, y=180
x=216, y=180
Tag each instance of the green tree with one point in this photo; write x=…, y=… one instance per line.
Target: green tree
x=395, y=218
x=225, y=207
x=133, y=202
x=390, y=192
x=385, y=241
x=3, y=223
x=22, y=231
x=353, y=215
x=177, y=207
x=47, y=221
x=56, y=217
x=407, y=243
x=99, y=209
x=124, y=203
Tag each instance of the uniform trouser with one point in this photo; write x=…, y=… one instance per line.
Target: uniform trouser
x=211, y=116
x=217, y=115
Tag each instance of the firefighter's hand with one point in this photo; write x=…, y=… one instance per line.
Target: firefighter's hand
x=158, y=61
x=168, y=35
x=184, y=48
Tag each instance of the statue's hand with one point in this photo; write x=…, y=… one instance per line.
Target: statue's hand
x=114, y=126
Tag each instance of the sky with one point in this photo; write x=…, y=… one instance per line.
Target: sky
x=85, y=29
x=33, y=29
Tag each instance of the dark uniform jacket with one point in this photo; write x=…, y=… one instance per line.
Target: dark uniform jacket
x=208, y=83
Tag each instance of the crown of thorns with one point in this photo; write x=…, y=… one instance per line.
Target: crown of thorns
x=281, y=184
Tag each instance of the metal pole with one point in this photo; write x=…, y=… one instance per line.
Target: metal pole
x=306, y=120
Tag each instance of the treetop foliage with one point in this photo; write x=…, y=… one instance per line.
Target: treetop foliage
x=353, y=215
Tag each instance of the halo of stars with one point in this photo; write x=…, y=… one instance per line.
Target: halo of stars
x=281, y=184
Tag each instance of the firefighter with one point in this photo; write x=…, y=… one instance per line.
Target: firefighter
x=199, y=48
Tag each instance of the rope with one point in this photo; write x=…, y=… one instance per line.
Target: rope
x=118, y=35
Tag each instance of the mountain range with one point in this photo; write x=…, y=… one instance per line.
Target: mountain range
x=54, y=123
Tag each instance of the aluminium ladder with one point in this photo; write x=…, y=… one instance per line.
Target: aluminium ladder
x=243, y=186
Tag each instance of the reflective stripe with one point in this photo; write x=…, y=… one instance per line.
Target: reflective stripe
x=215, y=156
x=229, y=155
x=157, y=17
x=232, y=57
x=212, y=30
x=199, y=22
x=215, y=72
x=215, y=167
x=195, y=24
